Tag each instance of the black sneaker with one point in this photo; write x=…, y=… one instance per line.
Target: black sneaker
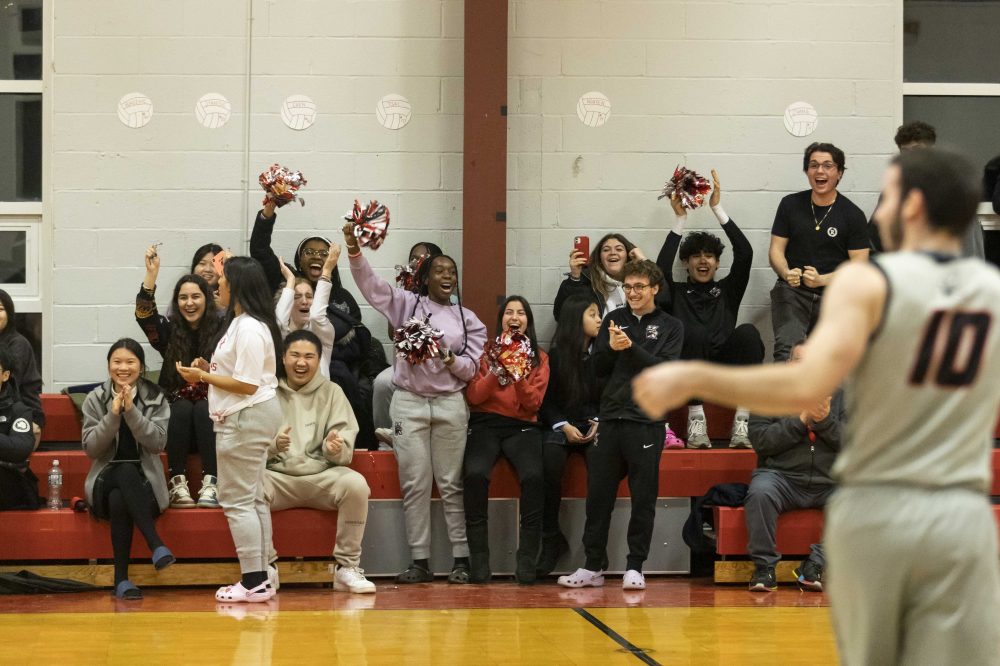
x=763, y=579
x=810, y=576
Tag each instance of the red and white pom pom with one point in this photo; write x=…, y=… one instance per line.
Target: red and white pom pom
x=417, y=341
x=509, y=357
x=406, y=276
x=371, y=224
x=689, y=186
x=282, y=185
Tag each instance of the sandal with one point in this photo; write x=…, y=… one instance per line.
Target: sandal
x=459, y=575
x=128, y=591
x=162, y=558
x=237, y=593
x=415, y=574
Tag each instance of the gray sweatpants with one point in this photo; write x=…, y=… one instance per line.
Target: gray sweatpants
x=430, y=446
x=339, y=489
x=241, y=449
x=382, y=390
x=772, y=494
x=913, y=576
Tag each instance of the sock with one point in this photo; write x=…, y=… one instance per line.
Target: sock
x=742, y=414
x=252, y=579
x=424, y=563
x=461, y=561
x=696, y=411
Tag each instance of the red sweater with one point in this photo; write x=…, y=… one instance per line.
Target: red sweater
x=519, y=400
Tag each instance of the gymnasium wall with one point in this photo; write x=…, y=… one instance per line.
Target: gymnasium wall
x=696, y=83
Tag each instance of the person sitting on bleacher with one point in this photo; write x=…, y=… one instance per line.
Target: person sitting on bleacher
x=124, y=431
x=23, y=369
x=18, y=485
x=795, y=455
x=308, y=463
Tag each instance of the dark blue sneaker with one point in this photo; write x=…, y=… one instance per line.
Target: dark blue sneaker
x=763, y=579
x=810, y=576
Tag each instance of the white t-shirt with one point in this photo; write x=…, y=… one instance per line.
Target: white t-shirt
x=245, y=353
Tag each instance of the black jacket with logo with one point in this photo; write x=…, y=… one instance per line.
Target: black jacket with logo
x=18, y=485
x=656, y=337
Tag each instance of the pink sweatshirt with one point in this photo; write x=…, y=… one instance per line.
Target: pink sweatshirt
x=432, y=377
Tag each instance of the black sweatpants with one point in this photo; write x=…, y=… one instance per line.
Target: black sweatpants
x=130, y=504
x=623, y=448
x=522, y=446
x=742, y=347
x=555, y=453
x=190, y=428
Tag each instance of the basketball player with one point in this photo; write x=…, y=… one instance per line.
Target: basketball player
x=912, y=544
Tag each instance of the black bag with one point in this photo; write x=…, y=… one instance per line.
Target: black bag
x=18, y=489
x=723, y=494
x=25, y=582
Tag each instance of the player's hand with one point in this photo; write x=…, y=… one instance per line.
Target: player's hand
x=334, y=443
x=283, y=441
x=577, y=260
x=659, y=389
x=716, y=190
x=812, y=278
x=675, y=203
x=793, y=277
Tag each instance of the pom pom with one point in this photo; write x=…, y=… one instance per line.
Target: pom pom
x=690, y=187
x=281, y=185
x=417, y=341
x=406, y=276
x=509, y=357
x=371, y=224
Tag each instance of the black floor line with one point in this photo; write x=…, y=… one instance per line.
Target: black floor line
x=634, y=650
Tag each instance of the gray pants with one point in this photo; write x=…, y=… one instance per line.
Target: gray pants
x=339, y=489
x=382, y=390
x=913, y=576
x=241, y=451
x=794, y=311
x=772, y=494
x=430, y=446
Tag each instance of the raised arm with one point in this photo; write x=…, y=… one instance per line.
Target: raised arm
x=260, y=245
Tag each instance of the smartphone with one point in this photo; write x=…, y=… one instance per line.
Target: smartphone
x=582, y=244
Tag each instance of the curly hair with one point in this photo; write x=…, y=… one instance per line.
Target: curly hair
x=915, y=132
x=697, y=242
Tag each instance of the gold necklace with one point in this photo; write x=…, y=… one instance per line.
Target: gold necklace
x=819, y=223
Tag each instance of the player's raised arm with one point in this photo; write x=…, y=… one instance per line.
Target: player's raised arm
x=851, y=312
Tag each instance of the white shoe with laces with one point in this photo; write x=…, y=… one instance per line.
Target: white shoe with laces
x=352, y=579
x=180, y=496
x=208, y=496
x=740, y=438
x=633, y=580
x=583, y=578
x=698, y=433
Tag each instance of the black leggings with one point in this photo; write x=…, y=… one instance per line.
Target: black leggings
x=555, y=452
x=130, y=504
x=190, y=425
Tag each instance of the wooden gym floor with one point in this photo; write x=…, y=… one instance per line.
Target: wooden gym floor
x=675, y=621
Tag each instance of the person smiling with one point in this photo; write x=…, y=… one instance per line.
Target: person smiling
x=814, y=231
x=242, y=380
x=300, y=307
x=188, y=332
x=124, y=431
x=203, y=264
x=599, y=274
x=428, y=411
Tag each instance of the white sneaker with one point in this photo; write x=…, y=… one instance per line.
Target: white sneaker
x=698, y=433
x=208, y=496
x=583, y=578
x=740, y=438
x=180, y=496
x=272, y=576
x=352, y=579
x=633, y=580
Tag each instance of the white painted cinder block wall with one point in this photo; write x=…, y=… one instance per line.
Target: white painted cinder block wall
x=116, y=190
x=697, y=83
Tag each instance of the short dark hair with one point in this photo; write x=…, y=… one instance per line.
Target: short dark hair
x=915, y=132
x=836, y=153
x=948, y=182
x=130, y=345
x=700, y=241
x=6, y=358
x=646, y=268
x=304, y=334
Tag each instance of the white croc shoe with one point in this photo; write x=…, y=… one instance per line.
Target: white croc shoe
x=633, y=580
x=583, y=578
x=239, y=594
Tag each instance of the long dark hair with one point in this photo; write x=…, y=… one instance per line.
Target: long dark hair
x=186, y=343
x=596, y=268
x=248, y=287
x=214, y=248
x=421, y=278
x=8, y=306
x=529, y=332
x=568, y=345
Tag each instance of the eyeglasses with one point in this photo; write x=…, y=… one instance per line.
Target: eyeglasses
x=637, y=288
x=825, y=166
x=309, y=252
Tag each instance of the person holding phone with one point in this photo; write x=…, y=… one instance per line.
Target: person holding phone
x=429, y=414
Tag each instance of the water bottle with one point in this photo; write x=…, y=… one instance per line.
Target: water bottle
x=55, y=486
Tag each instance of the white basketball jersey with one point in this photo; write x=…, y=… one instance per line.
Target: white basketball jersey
x=922, y=404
